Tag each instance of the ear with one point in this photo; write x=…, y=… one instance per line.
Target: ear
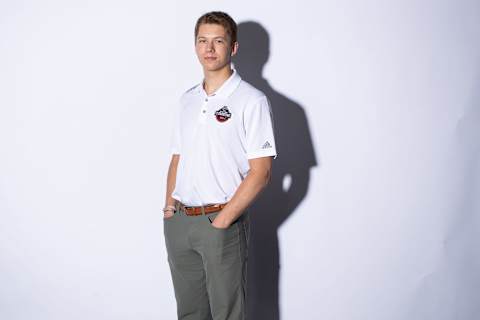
x=234, y=48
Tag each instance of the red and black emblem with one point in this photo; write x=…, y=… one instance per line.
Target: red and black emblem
x=223, y=114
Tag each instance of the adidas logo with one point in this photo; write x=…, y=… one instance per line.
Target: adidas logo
x=266, y=145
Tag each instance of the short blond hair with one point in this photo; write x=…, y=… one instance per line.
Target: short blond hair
x=221, y=18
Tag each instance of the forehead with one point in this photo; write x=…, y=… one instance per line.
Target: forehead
x=211, y=30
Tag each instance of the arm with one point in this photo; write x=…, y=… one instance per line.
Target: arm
x=171, y=179
x=255, y=181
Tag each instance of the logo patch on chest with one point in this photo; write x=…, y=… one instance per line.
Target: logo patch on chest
x=223, y=114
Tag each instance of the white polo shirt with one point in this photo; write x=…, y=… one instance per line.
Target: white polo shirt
x=215, y=137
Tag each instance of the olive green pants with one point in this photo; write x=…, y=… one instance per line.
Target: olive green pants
x=208, y=266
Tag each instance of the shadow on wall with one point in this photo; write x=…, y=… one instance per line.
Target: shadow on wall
x=290, y=175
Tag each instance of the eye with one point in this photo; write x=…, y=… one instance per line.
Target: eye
x=219, y=41
x=201, y=40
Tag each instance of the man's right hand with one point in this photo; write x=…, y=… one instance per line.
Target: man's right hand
x=168, y=214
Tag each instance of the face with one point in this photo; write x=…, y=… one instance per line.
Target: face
x=213, y=47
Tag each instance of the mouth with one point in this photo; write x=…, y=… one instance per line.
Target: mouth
x=210, y=58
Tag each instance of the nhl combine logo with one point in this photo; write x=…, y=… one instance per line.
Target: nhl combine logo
x=223, y=114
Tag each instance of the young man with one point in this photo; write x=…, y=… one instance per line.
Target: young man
x=222, y=149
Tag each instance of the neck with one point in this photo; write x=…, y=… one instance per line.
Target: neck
x=214, y=79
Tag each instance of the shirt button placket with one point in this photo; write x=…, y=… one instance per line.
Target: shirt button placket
x=204, y=111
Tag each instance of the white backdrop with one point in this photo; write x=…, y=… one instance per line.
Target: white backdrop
x=378, y=118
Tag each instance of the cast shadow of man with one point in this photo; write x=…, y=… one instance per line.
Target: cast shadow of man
x=290, y=175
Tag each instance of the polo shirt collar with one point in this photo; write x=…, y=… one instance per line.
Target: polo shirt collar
x=226, y=89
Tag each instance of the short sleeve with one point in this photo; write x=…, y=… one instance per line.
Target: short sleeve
x=175, y=138
x=258, y=123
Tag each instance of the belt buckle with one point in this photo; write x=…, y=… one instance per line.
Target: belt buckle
x=193, y=210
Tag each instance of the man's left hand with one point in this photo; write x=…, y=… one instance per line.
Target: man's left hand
x=220, y=223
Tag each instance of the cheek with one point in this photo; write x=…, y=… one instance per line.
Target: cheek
x=199, y=52
x=224, y=52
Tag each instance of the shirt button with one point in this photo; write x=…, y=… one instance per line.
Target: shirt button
x=204, y=111
x=206, y=99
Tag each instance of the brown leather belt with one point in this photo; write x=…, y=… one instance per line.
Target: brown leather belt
x=197, y=211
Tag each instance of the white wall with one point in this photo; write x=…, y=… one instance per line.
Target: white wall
x=387, y=220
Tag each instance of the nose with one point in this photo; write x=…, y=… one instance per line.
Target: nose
x=209, y=46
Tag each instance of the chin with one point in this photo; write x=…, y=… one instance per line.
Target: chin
x=212, y=68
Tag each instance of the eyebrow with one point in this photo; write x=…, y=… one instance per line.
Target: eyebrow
x=219, y=37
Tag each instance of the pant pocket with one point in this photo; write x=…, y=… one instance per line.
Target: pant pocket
x=211, y=217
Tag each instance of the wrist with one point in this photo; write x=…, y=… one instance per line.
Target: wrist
x=169, y=208
x=222, y=221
